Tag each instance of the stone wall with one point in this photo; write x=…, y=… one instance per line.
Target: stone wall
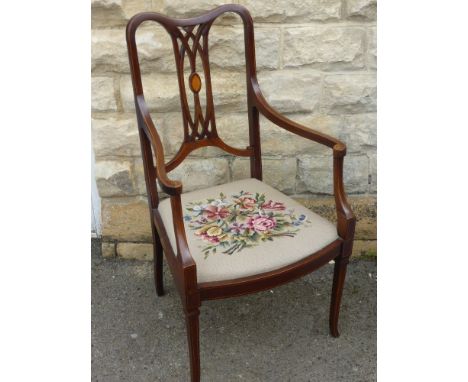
x=316, y=63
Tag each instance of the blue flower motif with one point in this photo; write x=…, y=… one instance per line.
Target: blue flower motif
x=187, y=218
x=302, y=217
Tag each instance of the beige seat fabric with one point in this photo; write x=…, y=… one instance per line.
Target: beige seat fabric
x=245, y=228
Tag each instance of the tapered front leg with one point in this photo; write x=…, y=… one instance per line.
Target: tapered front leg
x=192, y=322
x=158, y=263
x=341, y=263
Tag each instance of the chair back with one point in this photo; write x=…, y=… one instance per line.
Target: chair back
x=190, y=44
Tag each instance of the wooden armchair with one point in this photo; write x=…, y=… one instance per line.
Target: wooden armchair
x=241, y=237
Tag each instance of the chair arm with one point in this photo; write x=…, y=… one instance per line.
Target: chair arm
x=188, y=267
x=345, y=217
x=171, y=187
x=280, y=120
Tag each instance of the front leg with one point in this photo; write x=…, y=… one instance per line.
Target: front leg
x=339, y=275
x=192, y=323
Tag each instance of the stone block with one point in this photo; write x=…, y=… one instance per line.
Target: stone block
x=105, y=13
x=115, y=135
x=349, y=93
x=107, y=249
x=229, y=90
x=233, y=129
x=291, y=91
x=279, y=173
x=157, y=6
x=108, y=13
x=293, y=11
x=139, y=175
x=226, y=47
x=324, y=47
x=278, y=141
x=362, y=9
x=372, y=48
x=171, y=131
x=109, y=50
x=161, y=92
x=372, y=171
x=201, y=173
x=125, y=219
x=135, y=251
x=102, y=94
x=359, y=132
x=315, y=174
x=114, y=178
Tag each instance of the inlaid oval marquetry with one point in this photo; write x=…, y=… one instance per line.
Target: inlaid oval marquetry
x=195, y=82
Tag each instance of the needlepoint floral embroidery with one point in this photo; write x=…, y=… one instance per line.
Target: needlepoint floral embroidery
x=230, y=224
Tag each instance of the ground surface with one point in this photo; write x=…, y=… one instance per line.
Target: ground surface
x=279, y=335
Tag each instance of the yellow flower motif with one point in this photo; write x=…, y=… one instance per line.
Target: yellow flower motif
x=214, y=231
x=205, y=228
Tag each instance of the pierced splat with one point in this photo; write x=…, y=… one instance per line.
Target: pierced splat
x=192, y=45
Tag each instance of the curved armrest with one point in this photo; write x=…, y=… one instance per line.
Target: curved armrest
x=172, y=187
x=346, y=219
x=267, y=110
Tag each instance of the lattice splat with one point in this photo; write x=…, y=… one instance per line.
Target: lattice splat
x=192, y=45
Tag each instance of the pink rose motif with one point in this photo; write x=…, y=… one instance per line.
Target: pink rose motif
x=275, y=206
x=247, y=203
x=261, y=224
x=215, y=213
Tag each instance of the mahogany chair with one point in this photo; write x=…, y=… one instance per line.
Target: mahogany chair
x=241, y=237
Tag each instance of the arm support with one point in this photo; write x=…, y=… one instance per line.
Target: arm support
x=345, y=216
x=173, y=188
x=145, y=122
x=183, y=252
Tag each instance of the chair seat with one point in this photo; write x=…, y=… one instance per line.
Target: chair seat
x=245, y=228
